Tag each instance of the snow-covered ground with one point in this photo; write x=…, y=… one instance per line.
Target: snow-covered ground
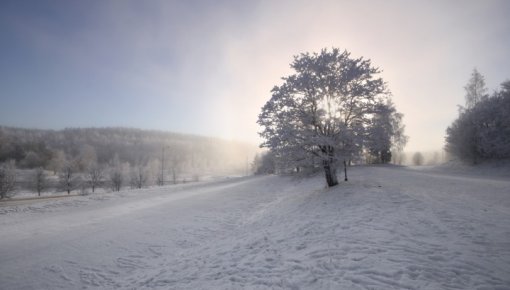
x=387, y=228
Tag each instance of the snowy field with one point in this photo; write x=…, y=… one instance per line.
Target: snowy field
x=387, y=228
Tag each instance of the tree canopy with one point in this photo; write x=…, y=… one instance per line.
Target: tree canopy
x=476, y=91
x=482, y=130
x=328, y=111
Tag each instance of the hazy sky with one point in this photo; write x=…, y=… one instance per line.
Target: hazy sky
x=206, y=67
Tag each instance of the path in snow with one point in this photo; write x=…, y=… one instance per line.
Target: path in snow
x=387, y=228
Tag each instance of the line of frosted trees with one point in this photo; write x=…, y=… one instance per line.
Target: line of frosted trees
x=83, y=159
x=482, y=130
x=85, y=173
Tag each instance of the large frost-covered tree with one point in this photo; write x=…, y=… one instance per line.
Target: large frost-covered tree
x=321, y=113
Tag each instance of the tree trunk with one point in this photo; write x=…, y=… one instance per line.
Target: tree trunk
x=330, y=173
x=345, y=170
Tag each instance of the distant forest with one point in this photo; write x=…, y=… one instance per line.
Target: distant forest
x=186, y=154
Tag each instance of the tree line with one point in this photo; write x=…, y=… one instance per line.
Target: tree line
x=482, y=129
x=78, y=158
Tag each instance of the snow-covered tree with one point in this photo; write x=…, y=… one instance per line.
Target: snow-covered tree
x=116, y=179
x=58, y=161
x=116, y=173
x=264, y=163
x=87, y=157
x=139, y=176
x=68, y=177
x=94, y=175
x=39, y=181
x=398, y=157
x=482, y=131
x=319, y=115
x=475, y=89
x=154, y=170
x=31, y=160
x=7, y=179
x=176, y=162
x=493, y=117
x=461, y=138
x=385, y=132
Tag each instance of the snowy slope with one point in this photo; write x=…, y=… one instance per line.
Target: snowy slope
x=387, y=228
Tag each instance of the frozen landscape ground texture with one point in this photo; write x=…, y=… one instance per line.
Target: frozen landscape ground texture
x=387, y=228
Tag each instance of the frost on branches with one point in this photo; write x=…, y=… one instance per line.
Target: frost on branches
x=331, y=110
x=482, y=130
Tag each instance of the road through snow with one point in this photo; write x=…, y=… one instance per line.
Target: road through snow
x=387, y=228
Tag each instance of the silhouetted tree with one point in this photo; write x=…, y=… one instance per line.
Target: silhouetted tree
x=321, y=112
